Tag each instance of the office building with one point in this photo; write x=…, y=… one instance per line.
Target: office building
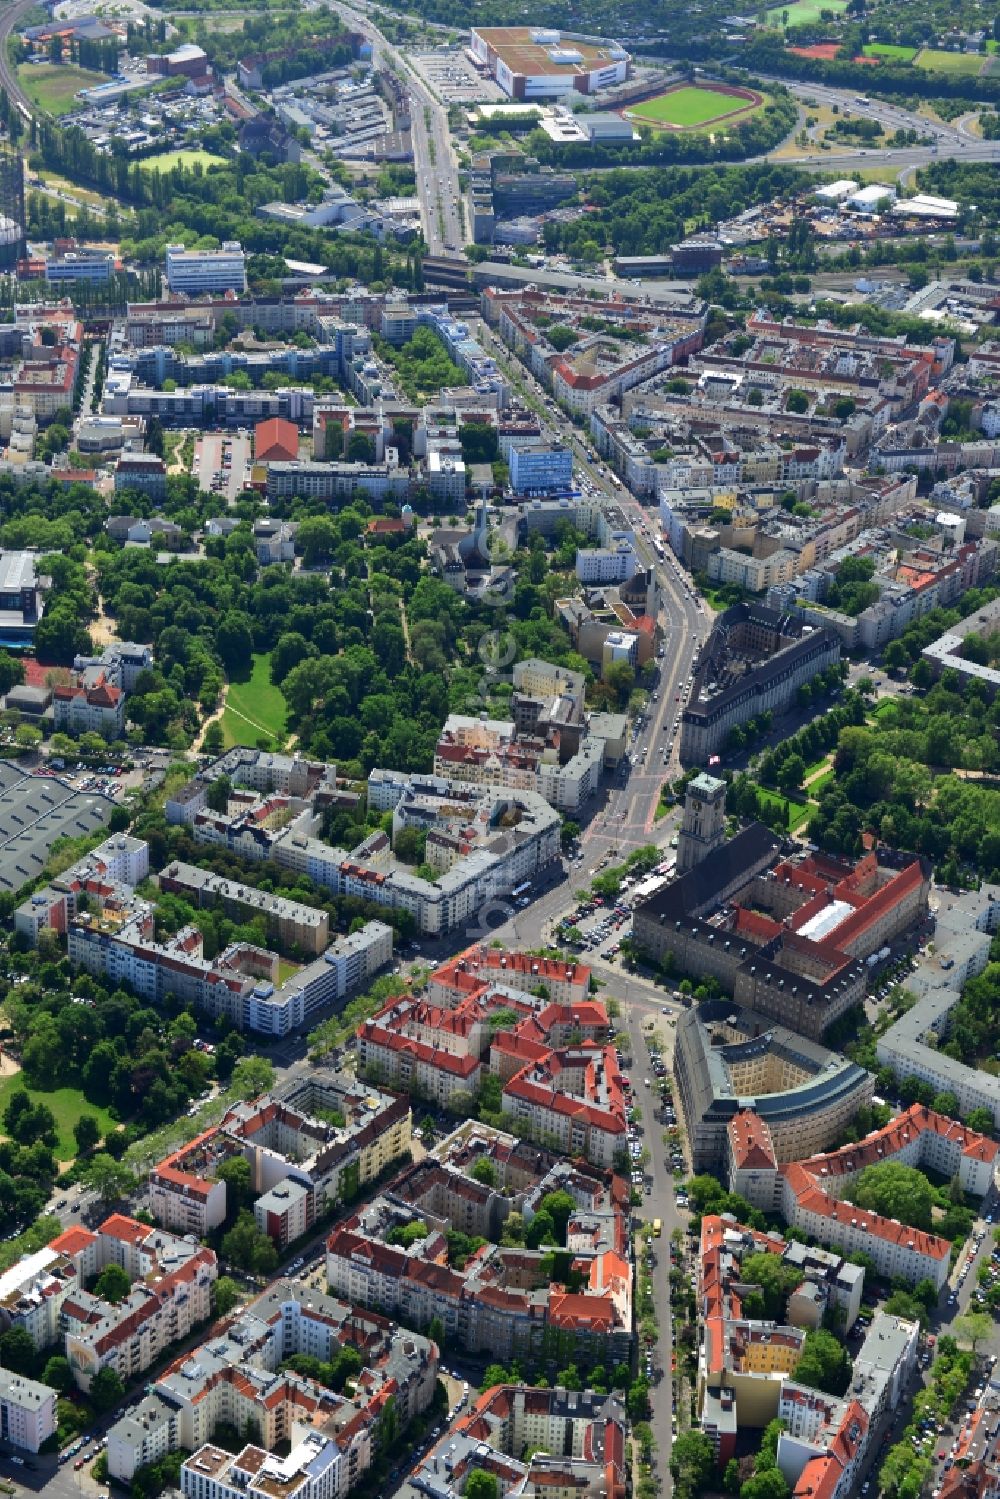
x=197, y=271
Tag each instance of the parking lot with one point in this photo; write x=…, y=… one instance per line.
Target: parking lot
x=454, y=79
x=222, y=463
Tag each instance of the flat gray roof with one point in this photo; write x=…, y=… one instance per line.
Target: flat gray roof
x=17, y=571
x=34, y=812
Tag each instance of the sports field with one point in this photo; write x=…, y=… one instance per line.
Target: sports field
x=54, y=86
x=254, y=709
x=966, y=64
x=689, y=107
x=890, y=51
x=803, y=12
x=170, y=159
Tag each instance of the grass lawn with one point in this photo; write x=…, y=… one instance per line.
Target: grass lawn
x=67, y=1104
x=254, y=708
x=885, y=709
x=796, y=812
x=803, y=12
x=878, y=174
x=817, y=787
x=286, y=970
x=170, y=159
x=687, y=108
x=889, y=49
x=968, y=64
x=54, y=86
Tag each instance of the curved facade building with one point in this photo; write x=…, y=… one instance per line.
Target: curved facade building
x=727, y=1060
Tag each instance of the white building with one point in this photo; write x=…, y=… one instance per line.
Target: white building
x=27, y=1411
x=873, y=198
x=195, y=271
x=312, y=1470
x=607, y=564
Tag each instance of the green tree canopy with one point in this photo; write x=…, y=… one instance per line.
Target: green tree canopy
x=895, y=1191
x=824, y=1364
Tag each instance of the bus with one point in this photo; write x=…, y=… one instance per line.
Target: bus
x=520, y=890
x=657, y=1228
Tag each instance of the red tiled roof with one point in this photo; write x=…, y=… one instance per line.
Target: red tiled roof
x=275, y=440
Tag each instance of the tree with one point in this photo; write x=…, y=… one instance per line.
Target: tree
x=213, y=740
x=731, y=1477
x=559, y=1207
x=776, y=1281
x=218, y=793
x=896, y=1191
x=768, y=1484
x=11, y=672
x=541, y=1230
x=234, y=641
x=980, y=1120
x=895, y=657
x=225, y=1295
x=791, y=773
x=58, y=1374
x=17, y=1351
x=110, y=1179
x=482, y=1485
x=484, y=1171
x=238, y=1178
x=692, y=1460
x=972, y=1328
x=106, y=1389
x=112, y=1284
x=29, y=1123
x=824, y=1364
x=436, y=1332
x=87, y=1132
x=252, y=1076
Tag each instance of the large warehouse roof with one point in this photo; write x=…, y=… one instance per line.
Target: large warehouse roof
x=34, y=812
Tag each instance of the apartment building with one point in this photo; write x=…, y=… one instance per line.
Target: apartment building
x=964, y=925
x=577, y=1441
x=286, y=1136
x=171, y=1292
x=32, y=1293
x=144, y=472
x=286, y=1212
x=826, y=1440
x=488, y=861
x=444, y=1044
x=117, y=939
x=746, y=1367
x=918, y=1137
x=572, y=1097
x=289, y=922
x=27, y=1411
x=235, y=1377
x=501, y=1300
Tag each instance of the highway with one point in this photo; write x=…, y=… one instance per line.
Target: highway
x=9, y=20
x=434, y=161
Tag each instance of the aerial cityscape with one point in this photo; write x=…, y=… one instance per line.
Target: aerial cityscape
x=499, y=750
